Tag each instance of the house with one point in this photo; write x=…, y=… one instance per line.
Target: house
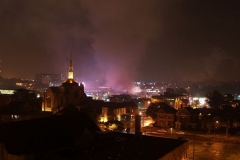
x=116, y=110
x=165, y=117
x=187, y=117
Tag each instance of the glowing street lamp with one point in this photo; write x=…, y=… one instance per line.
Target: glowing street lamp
x=215, y=125
x=171, y=132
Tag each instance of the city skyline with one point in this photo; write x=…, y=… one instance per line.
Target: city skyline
x=121, y=41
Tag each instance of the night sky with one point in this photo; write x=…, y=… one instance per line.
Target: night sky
x=121, y=41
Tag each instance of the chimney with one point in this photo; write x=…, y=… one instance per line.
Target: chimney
x=138, y=125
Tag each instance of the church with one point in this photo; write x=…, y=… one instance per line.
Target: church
x=69, y=93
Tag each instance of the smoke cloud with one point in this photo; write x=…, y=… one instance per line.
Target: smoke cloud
x=118, y=42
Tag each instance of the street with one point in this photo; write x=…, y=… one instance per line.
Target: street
x=207, y=147
x=201, y=146
x=214, y=151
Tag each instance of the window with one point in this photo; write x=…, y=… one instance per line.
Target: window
x=14, y=116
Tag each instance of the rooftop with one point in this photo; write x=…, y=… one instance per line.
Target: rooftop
x=122, y=146
x=64, y=137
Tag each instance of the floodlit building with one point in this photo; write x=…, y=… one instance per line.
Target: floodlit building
x=175, y=101
x=69, y=93
x=198, y=102
x=113, y=110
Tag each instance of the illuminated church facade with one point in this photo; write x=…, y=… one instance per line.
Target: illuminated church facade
x=69, y=93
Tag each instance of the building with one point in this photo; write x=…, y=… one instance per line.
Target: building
x=35, y=138
x=143, y=104
x=22, y=110
x=14, y=83
x=113, y=110
x=175, y=101
x=49, y=79
x=69, y=93
x=121, y=98
x=75, y=136
x=165, y=117
x=198, y=102
x=187, y=117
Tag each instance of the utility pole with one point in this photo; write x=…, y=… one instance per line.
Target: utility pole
x=193, y=143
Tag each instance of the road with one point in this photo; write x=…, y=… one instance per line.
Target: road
x=220, y=148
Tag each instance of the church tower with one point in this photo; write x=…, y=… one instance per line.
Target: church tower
x=70, y=70
x=69, y=93
x=70, y=79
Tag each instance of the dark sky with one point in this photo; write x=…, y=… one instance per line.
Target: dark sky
x=122, y=40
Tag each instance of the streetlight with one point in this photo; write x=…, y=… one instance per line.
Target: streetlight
x=214, y=129
x=171, y=132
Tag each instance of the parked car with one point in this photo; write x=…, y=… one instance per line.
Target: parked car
x=161, y=131
x=180, y=132
x=150, y=125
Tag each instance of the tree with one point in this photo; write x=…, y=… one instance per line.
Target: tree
x=236, y=120
x=206, y=119
x=228, y=113
x=152, y=111
x=215, y=99
x=114, y=125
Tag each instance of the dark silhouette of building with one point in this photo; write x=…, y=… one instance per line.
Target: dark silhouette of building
x=76, y=136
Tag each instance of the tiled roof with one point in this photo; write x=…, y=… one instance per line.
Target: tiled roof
x=168, y=109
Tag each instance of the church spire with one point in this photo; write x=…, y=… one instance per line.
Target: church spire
x=70, y=69
x=70, y=79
